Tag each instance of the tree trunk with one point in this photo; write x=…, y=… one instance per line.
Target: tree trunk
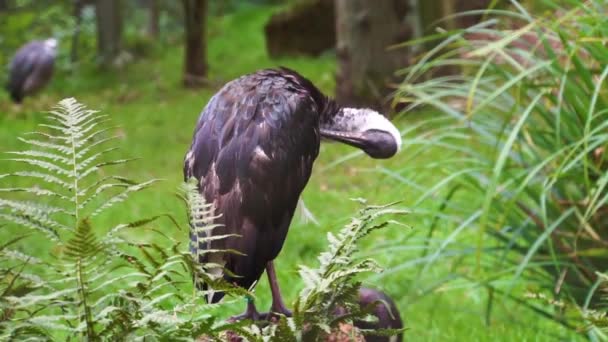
x=153, y=25
x=436, y=13
x=439, y=14
x=195, y=54
x=77, y=13
x=470, y=5
x=109, y=30
x=289, y=32
x=364, y=32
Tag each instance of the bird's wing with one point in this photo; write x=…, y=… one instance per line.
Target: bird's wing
x=41, y=73
x=23, y=64
x=252, y=154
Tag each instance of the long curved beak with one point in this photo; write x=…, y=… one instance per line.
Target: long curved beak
x=376, y=143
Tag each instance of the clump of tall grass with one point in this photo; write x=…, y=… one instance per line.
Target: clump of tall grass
x=532, y=181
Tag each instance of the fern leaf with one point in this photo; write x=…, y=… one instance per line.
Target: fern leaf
x=60, y=129
x=82, y=164
x=32, y=208
x=84, y=244
x=37, y=192
x=86, y=127
x=35, y=216
x=160, y=317
x=32, y=283
x=51, y=322
x=87, y=172
x=41, y=154
x=95, y=145
x=91, y=191
x=44, y=165
x=45, y=144
x=32, y=300
x=121, y=197
x=98, y=191
x=12, y=241
x=332, y=284
x=32, y=224
x=47, y=177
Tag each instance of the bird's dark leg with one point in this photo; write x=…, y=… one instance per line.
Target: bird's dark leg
x=250, y=313
x=277, y=301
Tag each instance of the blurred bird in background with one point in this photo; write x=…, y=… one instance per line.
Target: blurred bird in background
x=385, y=314
x=31, y=68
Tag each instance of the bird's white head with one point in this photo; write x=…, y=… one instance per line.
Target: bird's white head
x=365, y=129
x=51, y=43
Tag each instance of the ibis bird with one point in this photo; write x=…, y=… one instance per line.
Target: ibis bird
x=252, y=154
x=385, y=311
x=31, y=68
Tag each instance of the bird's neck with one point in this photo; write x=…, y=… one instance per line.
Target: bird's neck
x=329, y=109
x=50, y=46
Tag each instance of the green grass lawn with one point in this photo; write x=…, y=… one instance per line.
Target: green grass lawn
x=157, y=116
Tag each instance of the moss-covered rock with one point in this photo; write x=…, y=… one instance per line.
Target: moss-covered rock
x=306, y=28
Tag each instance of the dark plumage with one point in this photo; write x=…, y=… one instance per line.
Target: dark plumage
x=253, y=150
x=31, y=68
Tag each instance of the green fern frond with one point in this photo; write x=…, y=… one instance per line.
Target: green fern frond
x=84, y=244
x=42, y=154
x=97, y=143
x=31, y=223
x=99, y=190
x=63, y=156
x=68, y=155
x=94, y=283
x=122, y=196
x=36, y=191
x=34, y=300
x=332, y=285
x=46, y=177
x=84, y=163
x=45, y=144
x=33, y=208
x=45, y=165
x=84, y=173
x=330, y=296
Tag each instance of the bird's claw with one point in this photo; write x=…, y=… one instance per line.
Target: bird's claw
x=275, y=314
x=253, y=316
x=271, y=316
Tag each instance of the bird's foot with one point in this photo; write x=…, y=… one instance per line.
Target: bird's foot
x=282, y=310
x=255, y=316
x=250, y=313
x=275, y=314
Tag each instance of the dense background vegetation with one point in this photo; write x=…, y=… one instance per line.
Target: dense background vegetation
x=503, y=166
